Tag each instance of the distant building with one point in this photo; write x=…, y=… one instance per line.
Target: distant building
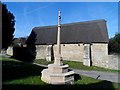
x=17, y=42
x=85, y=42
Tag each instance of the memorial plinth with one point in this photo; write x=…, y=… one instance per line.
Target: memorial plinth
x=57, y=75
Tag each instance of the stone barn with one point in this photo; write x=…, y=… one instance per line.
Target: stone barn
x=85, y=42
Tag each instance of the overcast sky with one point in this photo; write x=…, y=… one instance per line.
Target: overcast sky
x=32, y=14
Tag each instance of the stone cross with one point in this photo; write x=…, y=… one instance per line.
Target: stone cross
x=58, y=58
x=58, y=73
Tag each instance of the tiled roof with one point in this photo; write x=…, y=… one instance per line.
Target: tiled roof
x=86, y=32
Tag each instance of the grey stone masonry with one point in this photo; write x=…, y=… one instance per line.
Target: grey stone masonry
x=86, y=58
x=10, y=51
x=57, y=75
x=114, y=61
x=49, y=54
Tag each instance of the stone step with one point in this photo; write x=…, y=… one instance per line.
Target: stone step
x=53, y=68
x=63, y=74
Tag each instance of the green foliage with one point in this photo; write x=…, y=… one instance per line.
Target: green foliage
x=8, y=29
x=114, y=44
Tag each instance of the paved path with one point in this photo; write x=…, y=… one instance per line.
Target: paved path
x=109, y=76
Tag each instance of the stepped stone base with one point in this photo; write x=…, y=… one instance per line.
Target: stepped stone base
x=57, y=75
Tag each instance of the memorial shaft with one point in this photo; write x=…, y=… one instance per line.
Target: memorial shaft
x=58, y=58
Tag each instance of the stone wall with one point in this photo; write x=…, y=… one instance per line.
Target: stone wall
x=71, y=52
x=99, y=54
x=10, y=51
x=75, y=52
x=114, y=61
x=41, y=51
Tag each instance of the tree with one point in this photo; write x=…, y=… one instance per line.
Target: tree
x=8, y=29
x=114, y=44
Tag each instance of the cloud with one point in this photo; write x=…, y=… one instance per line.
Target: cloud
x=40, y=8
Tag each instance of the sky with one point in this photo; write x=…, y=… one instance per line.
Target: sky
x=34, y=14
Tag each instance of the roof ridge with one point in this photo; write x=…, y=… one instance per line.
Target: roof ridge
x=91, y=21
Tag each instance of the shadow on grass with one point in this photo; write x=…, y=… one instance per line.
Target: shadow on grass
x=103, y=85
x=16, y=70
x=76, y=77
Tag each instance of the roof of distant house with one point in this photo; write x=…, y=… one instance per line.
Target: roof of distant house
x=86, y=32
x=19, y=40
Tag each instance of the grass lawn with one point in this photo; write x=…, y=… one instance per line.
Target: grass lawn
x=17, y=75
x=77, y=65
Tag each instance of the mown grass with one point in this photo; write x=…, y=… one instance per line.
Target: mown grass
x=18, y=75
x=77, y=65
